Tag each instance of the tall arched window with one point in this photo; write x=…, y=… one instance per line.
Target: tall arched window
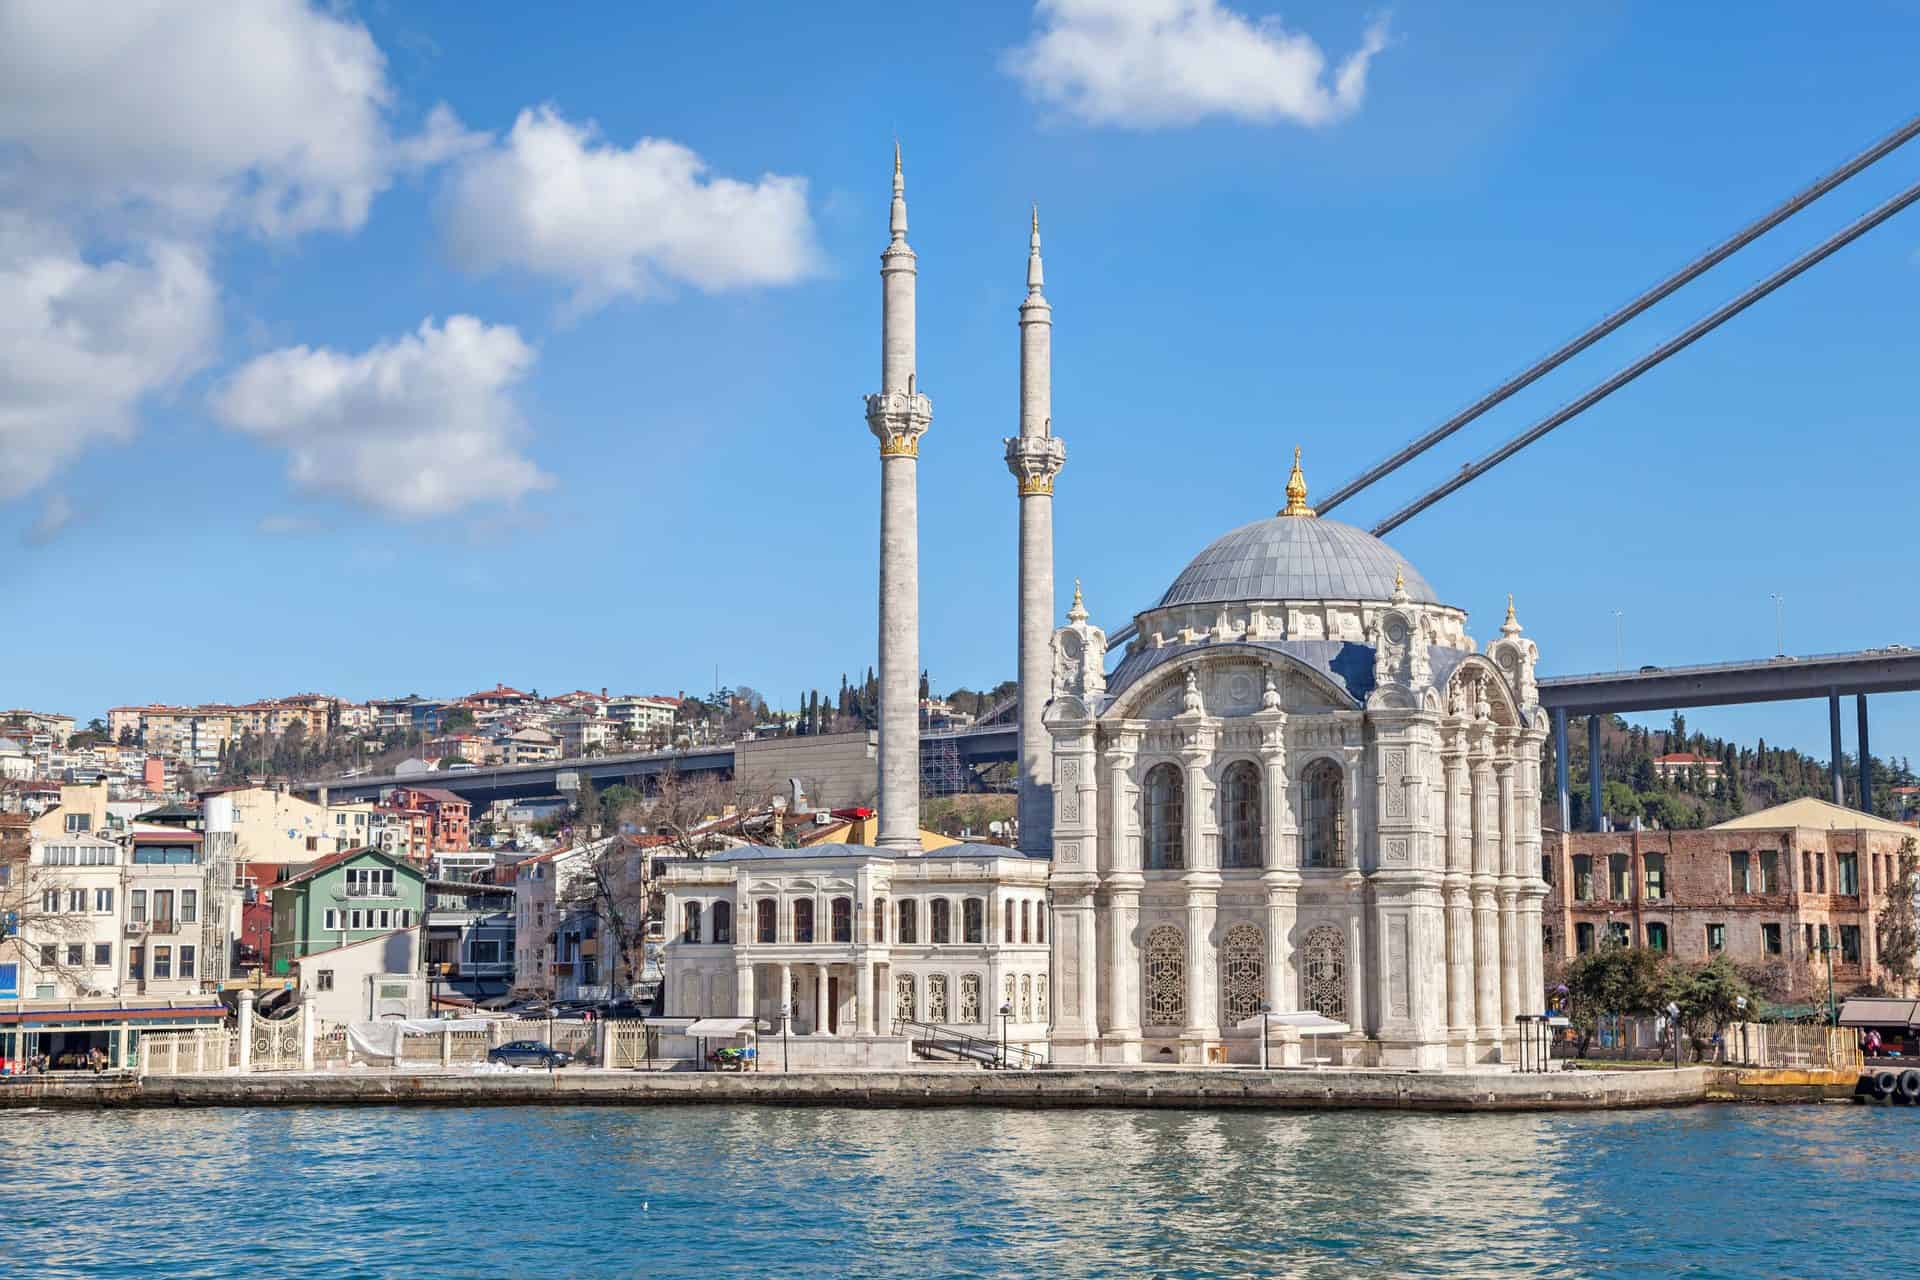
x=1323, y=973
x=970, y=998
x=1039, y=922
x=1040, y=1001
x=803, y=920
x=1026, y=921
x=1009, y=914
x=1165, y=992
x=940, y=921
x=904, y=1009
x=1243, y=973
x=842, y=919
x=936, y=997
x=909, y=930
x=1026, y=997
x=1323, y=795
x=766, y=921
x=1163, y=804
x=690, y=927
x=879, y=919
x=1242, y=835
x=723, y=922
x=973, y=919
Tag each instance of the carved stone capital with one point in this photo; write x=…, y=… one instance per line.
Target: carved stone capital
x=1035, y=461
x=898, y=419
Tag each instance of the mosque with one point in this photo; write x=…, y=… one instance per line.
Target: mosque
x=1304, y=787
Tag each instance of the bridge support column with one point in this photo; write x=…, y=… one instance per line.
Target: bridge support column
x=1560, y=768
x=1833, y=728
x=1866, y=757
x=1595, y=793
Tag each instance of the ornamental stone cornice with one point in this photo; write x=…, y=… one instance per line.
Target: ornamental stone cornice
x=1034, y=462
x=898, y=419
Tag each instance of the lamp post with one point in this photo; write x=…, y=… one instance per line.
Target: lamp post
x=1826, y=949
x=1006, y=1011
x=1265, y=1009
x=1673, y=1020
x=1740, y=1006
x=786, y=1020
x=1779, y=624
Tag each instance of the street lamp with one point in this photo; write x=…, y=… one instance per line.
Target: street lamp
x=1673, y=1020
x=1265, y=1009
x=1779, y=624
x=1740, y=1006
x=1006, y=1011
x=786, y=1020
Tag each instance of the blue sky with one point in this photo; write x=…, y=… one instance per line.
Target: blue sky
x=237, y=466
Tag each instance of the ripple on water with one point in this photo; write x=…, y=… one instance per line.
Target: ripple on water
x=721, y=1191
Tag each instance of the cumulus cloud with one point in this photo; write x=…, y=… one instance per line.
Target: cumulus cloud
x=82, y=342
x=55, y=515
x=416, y=427
x=554, y=199
x=1155, y=63
x=269, y=113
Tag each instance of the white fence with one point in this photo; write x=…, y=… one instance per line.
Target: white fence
x=281, y=1046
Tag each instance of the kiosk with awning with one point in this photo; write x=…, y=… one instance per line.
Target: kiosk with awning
x=1291, y=1026
x=1897, y=1021
x=64, y=1030
x=704, y=1029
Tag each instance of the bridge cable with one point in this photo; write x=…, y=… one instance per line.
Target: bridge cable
x=1611, y=322
x=1686, y=338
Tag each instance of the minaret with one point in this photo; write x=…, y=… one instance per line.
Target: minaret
x=1035, y=456
x=898, y=416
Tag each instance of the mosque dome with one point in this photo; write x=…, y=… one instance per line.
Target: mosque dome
x=1295, y=555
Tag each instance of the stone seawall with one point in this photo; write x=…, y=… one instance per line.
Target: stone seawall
x=1151, y=1087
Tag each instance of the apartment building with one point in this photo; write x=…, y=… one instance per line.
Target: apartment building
x=1794, y=887
x=166, y=930
x=66, y=917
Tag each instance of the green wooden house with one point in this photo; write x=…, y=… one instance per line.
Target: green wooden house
x=343, y=898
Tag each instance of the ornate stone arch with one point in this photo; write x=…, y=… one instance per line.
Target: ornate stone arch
x=1323, y=972
x=1477, y=681
x=1325, y=837
x=1163, y=995
x=1243, y=973
x=1134, y=699
x=1243, y=805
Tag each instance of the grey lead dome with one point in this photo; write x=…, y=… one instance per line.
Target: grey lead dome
x=1287, y=558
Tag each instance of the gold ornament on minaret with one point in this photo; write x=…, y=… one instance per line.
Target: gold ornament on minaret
x=1296, y=490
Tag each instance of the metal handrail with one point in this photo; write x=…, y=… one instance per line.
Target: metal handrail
x=993, y=1053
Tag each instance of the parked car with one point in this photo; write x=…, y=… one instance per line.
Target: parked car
x=529, y=1053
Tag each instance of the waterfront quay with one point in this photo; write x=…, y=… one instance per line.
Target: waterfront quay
x=1170, y=1087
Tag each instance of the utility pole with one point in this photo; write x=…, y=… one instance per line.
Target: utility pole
x=1619, y=641
x=1779, y=623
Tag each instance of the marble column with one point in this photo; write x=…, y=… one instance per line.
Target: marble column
x=1507, y=892
x=863, y=1016
x=1486, y=920
x=1455, y=882
x=786, y=998
x=1124, y=882
x=898, y=415
x=742, y=988
x=822, y=1021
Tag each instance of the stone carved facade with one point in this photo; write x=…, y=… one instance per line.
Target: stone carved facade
x=1385, y=772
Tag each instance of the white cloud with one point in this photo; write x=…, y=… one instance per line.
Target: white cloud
x=416, y=427
x=1154, y=63
x=555, y=200
x=82, y=342
x=55, y=515
x=270, y=113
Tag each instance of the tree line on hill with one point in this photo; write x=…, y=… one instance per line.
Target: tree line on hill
x=1746, y=778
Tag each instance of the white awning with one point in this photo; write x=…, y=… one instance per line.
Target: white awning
x=1304, y=1021
x=719, y=1027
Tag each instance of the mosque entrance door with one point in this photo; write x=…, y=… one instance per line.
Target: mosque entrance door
x=833, y=1005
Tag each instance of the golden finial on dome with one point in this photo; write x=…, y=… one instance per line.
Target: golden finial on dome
x=1511, y=627
x=1296, y=490
x=1399, y=577
x=1078, y=612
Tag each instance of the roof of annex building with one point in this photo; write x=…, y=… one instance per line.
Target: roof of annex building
x=1810, y=812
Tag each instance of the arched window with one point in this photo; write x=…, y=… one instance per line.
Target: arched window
x=1323, y=794
x=803, y=920
x=904, y=1009
x=1026, y=922
x=1006, y=997
x=970, y=998
x=723, y=922
x=879, y=919
x=909, y=930
x=1009, y=914
x=1243, y=973
x=690, y=928
x=1039, y=922
x=973, y=917
x=842, y=918
x=936, y=997
x=1040, y=1001
x=766, y=921
x=1163, y=803
x=1165, y=992
x=940, y=922
x=1026, y=998
x=1240, y=829
x=1323, y=973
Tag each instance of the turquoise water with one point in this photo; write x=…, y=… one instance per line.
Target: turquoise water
x=738, y=1191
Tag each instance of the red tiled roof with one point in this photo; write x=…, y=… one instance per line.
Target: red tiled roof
x=1684, y=757
x=313, y=869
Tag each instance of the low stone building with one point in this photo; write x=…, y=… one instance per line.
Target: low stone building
x=1787, y=887
x=856, y=942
